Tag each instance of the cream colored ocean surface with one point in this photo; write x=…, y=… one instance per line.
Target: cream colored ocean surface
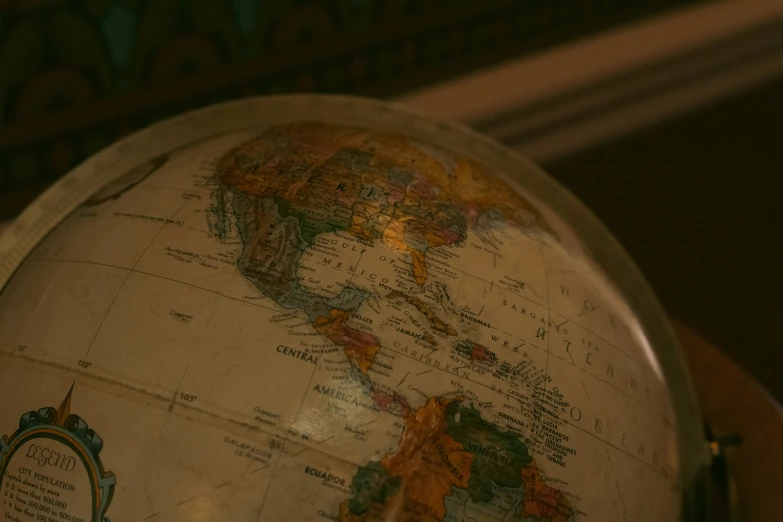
x=323, y=322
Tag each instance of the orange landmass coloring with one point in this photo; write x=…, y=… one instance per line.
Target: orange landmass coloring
x=542, y=501
x=419, y=266
x=385, y=402
x=427, y=204
x=360, y=347
x=362, y=357
x=357, y=229
x=429, y=463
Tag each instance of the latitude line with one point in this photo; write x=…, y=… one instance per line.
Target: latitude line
x=195, y=348
x=104, y=214
x=150, y=274
x=617, y=389
x=658, y=471
x=638, y=401
x=164, y=399
x=642, y=403
x=13, y=348
x=621, y=450
x=567, y=319
x=178, y=189
x=185, y=406
x=122, y=285
x=601, y=338
x=155, y=275
x=437, y=261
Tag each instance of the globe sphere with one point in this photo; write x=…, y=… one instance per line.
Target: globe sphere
x=329, y=308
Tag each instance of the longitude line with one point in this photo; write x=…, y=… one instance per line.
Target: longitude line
x=304, y=396
x=274, y=310
x=546, y=283
x=484, y=385
x=106, y=314
x=356, y=268
x=108, y=309
x=269, y=482
x=598, y=336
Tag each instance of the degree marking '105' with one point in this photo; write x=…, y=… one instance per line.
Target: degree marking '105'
x=187, y=397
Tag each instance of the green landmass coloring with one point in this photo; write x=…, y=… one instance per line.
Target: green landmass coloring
x=499, y=455
x=372, y=484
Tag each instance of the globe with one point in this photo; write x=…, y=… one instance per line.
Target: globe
x=328, y=308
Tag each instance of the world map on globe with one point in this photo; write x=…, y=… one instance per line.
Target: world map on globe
x=323, y=321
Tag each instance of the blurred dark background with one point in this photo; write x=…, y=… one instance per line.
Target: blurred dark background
x=697, y=202
x=693, y=198
x=76, y=75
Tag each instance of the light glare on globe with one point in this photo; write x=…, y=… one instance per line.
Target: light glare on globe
x=321, y=312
